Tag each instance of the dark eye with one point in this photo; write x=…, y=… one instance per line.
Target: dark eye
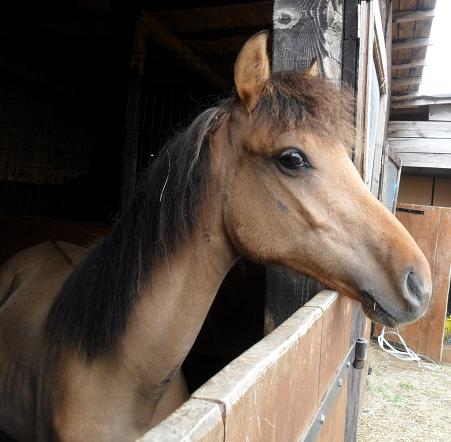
x=293, y=160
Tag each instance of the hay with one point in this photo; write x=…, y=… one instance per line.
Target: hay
x=405, y=402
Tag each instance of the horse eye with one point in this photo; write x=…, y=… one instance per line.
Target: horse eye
x=293, y=160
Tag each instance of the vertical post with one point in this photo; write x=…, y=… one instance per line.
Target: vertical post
x=303, y=30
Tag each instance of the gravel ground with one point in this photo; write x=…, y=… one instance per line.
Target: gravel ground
x=404, y=401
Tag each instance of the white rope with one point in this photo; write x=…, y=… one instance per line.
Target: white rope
x=404, y=355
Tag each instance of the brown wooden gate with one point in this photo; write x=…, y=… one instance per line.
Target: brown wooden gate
x=292, y=385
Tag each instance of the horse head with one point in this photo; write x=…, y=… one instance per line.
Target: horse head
x=293, y=196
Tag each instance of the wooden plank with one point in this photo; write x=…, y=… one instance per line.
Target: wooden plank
x=438, y=161
x=195, y=420
x=419, y=129
x=335, y=337
x=424, y=229
x=405, y=16
x=408, y=43
x=442, y=192
x=440, y=112
x=307, y=30
x=407, y=81
x=428, y=146
x=410, y=64
x=442, y=273
x=334, y=425
x=262, y=389
x=400, y=104
x=299, y=36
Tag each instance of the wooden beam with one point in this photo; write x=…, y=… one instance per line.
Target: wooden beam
x=407, y=43
x=435, y=161
x=404, y=16
x=420, y=129
x=430, y=146
x=440, y=112
x=300, y=35
x=425, y=101
x=162, y=36
x=406, y=81
x=410, y=64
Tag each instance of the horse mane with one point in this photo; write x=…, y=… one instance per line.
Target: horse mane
x=91, y=310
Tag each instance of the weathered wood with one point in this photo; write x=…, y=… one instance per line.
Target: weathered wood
x=432, y=232
x=439, y=112
x=162, y=36
x=262, y=389
x=307, y=29
x=195, y=420
x=438, y=161
x=399, y=103
x=405, y=16
x=429, y=146
x=419, y=129
x=411, y=64
x=407, y=81
x=441, y=285
x=336, y=332
x=407, y=43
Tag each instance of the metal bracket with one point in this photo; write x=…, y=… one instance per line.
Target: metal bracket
x=415, y=211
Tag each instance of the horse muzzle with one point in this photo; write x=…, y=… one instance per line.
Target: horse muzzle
x=407, y=305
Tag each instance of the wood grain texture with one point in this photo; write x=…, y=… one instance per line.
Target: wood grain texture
x=442, y=273
x=440, y=112
x=432, y=232
x=438, y=161
x=336, y=332
x=428, y=146
x=403, y=16
x=307, y=29
x=195, y=420
x=270, y=392
x=408, y=43
x=419, y=129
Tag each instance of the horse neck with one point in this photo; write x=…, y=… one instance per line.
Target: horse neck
x=175, y=300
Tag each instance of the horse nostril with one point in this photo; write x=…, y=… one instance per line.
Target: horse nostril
x=414, y=291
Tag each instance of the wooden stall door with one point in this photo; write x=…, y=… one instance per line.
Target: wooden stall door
x=431, y=229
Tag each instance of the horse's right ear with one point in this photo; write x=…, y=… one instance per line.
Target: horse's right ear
x=252, y=70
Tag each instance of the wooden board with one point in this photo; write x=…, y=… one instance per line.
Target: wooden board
x=415, y=190
x=437, y=161
x=419, y=129
x=428, y=146
x=195, y=420
x=432, y=232
x=261, y=390
x=442, y=192
x=440, y=112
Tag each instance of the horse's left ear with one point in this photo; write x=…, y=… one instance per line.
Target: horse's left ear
x=252, y=70
x=313, y=70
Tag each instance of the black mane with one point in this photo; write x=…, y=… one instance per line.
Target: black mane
x=92, y=308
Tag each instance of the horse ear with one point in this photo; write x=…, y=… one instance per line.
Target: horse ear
x=313, y=70
x=252, y=70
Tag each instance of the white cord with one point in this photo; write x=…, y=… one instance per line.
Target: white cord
x=408, y=354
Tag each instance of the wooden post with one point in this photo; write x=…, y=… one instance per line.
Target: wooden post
x=303, y=30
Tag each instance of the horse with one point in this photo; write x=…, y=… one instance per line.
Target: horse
x=91, y=343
